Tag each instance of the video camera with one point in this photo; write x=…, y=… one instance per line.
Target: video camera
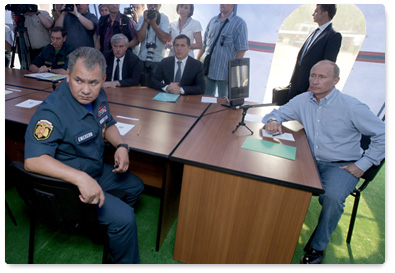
x=21, y=8
x=130, y=12
x=68, y=7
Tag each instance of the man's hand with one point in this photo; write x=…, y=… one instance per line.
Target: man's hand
x=112, y=84
x=121, y=158
x=174, y=88
x=273, y=127
x=353, y=169
x=43, y=69
x=145, y=16
x=91, y=192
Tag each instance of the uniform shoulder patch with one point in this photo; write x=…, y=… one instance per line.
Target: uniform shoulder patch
x=43, y=129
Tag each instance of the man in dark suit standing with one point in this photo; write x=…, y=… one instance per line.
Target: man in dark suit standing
x=179, y=74
x=323, y=44
x=122, y=64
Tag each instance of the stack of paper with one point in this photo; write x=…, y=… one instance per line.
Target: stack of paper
x=46, y=76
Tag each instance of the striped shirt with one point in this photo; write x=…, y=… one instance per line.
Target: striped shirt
x=233, y=39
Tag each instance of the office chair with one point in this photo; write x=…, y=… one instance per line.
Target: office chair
x=368, y=176
x=7, y=182
x=56, y=201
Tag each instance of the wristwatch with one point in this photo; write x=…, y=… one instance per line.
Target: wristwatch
x=123, y=145
x=272, y=119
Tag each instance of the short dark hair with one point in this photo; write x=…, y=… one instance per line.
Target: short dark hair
x=182, y=36
x=190, y=5
x=330, y=8
x=61, y=29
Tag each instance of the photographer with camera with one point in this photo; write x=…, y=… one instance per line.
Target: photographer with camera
x=138, y=9
x=56, y=11
x=153, y=33
x=113, y=23
x=37, y=24
x=79, y=23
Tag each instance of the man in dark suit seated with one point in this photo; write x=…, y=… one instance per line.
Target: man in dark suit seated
x=179, y=74
x=122, y=64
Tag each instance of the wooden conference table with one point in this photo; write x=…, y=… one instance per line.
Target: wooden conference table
x=237, y=206
x=15, y=77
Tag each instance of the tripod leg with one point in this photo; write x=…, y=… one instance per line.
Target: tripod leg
x=237, y=127
x=249, y=129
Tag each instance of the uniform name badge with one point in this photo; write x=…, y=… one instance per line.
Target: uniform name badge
x=43, y=129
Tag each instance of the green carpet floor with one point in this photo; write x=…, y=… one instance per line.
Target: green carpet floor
x=54, y=247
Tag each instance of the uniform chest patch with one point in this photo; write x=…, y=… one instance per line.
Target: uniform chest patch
x=85, y=137
x=103, y=119
x=101, y=111
x=43, y=129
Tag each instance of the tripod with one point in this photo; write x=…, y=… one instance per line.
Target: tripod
x=242, y=123
x=245, y=109
x=21, y=44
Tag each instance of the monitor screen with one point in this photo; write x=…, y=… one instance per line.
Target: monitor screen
x=239, y=76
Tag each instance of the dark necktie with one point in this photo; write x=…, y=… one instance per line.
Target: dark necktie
x=177, y=78
x=116, y=73
x=308, y=44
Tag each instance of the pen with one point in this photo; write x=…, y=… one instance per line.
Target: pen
x=276, y=134
x=138, y=133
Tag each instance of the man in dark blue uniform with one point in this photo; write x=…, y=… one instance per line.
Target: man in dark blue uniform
x=54, y=57
x=65, y=140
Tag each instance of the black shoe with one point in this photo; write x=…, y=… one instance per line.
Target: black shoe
x=313, y=256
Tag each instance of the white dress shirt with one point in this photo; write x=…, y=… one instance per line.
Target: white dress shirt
x=183, y=63
x=120, y=67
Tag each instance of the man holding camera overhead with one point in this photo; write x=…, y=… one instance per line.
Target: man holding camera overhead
x=37, y=24
x=111, y=24
x=153, y=33
x=79, y=24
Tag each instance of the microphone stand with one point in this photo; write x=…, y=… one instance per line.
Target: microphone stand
x=244, y=113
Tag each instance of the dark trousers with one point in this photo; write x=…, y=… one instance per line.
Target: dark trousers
x=118, y=216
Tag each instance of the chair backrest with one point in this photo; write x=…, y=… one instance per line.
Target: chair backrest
x=53, y=199
x=372, y=171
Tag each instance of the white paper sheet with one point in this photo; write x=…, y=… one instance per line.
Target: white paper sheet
x=13, y=89
x=29, y=103
x=124, y=128
x=283, y=136
x=127, y=118
x=209, y=100
x=253, y=118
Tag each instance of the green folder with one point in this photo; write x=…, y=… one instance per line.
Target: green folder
x=271, y=148
x=166, y=97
